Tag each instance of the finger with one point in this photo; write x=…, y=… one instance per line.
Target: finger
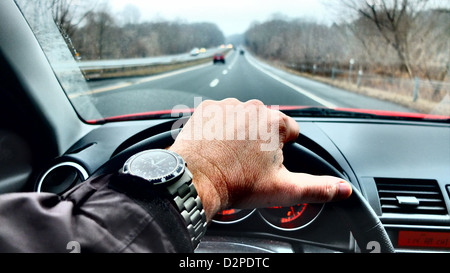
x=301, y=187
x=291, y=127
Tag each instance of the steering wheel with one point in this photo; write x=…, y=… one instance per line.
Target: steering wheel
x=355, y=211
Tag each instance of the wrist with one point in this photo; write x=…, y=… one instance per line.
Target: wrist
x=208, y=194
x=212, y=198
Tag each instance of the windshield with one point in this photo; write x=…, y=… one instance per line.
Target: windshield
x=120, y=59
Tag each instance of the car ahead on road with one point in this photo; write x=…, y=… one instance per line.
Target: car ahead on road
x=57, y=128
x=195, y=51
x=219, y=58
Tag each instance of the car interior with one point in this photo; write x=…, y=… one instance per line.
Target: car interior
x=399, y=167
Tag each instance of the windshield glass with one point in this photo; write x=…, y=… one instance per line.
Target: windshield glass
x=123, y=59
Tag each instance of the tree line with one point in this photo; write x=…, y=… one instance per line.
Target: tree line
x=101, y=38
x=402, y=38
x=98, y=34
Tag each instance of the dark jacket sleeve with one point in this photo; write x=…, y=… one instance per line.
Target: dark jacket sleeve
x=90, y=218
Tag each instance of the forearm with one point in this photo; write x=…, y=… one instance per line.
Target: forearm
x=92, y=215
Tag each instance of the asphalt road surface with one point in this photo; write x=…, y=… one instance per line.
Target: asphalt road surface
x=242, y=77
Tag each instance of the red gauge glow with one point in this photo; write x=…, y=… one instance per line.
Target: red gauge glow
x=291, y=218
x=231, y=215
x=293, y=213
x=228, y=212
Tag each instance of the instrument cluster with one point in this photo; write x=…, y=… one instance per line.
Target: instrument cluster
x=282, y=218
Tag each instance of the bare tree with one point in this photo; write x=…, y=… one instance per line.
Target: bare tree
x=418, y=31
x=430, y=53
x=393, y=20
x=67, y=14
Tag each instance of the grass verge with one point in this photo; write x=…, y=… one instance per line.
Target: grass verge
x=420, y=105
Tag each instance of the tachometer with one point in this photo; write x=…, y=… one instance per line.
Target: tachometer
x=291, y=218
x=232, y=215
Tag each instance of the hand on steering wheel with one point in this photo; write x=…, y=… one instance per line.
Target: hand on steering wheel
x=239, y=164
x=234, y=151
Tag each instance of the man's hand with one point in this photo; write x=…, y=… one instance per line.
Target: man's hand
x=234, y=151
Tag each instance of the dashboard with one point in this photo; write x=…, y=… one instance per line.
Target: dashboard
x=400, y=167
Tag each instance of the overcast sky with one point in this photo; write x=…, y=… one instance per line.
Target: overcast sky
x=232, y=16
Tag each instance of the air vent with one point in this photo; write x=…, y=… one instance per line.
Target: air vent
x=410, y=196
x=61, y=177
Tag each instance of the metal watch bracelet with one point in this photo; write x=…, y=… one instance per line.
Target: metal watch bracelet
x=190, y=206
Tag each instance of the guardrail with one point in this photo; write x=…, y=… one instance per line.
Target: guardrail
x=414, y=88
x=106, y=69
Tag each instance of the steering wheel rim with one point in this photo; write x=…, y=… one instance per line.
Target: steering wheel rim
x=356, y=212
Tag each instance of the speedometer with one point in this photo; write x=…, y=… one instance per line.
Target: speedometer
x=230, y=216
x=291, y=218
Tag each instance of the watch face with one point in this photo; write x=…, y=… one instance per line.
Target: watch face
x=157, y=166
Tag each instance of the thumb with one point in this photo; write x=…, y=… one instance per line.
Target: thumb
x=302, y=187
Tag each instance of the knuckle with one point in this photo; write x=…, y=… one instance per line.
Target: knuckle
x=330, y=191
x=282, y=125
x=254, y=102
x=321, y=193
x=231, y=101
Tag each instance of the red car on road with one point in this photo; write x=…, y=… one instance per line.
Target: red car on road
x=219, y=57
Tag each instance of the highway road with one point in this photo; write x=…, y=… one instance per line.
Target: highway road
x=242, y=77
x=183, y=57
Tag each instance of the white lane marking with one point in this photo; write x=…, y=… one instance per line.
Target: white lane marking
x=225, y=72
x=146, y=79
x=173, y=73
x=214, y=83
x=293, y=86
x=233, y=61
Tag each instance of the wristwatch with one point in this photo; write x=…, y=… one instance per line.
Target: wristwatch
x=166, y=172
